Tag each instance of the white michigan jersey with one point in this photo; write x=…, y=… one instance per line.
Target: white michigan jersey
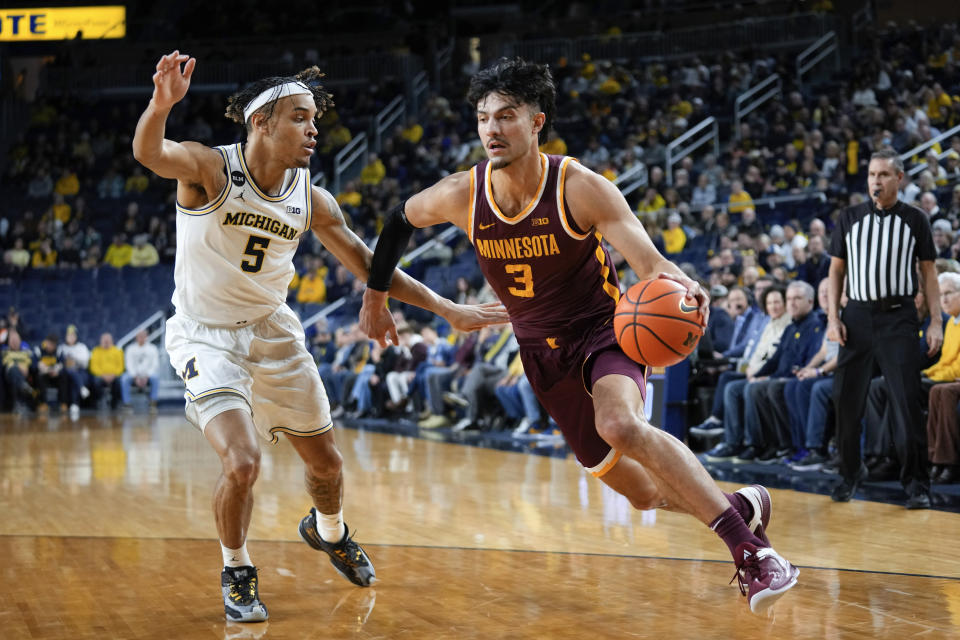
x=235, y=255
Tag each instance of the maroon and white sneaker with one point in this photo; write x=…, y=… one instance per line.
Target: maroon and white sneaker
x=763, y=575
x=759, y=499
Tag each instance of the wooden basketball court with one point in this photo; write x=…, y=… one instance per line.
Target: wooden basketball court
x=107, y=532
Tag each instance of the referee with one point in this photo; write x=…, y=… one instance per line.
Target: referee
x=876, y=247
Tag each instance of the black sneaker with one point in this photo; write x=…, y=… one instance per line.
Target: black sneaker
x=722, y=452
x=813, y=461
x=848, y=487
x=241, y=595
x=769, y=456
x=346, y=556
x=747, y=455
x=832, y=465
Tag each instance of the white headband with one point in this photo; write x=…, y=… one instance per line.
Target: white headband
x=275, y=93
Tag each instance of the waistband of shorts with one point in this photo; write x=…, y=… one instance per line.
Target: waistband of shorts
x=244, y=325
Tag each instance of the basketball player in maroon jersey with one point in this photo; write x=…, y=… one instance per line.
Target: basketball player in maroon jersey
x=536, y=223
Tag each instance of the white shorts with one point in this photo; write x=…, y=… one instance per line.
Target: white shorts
x=266, y=364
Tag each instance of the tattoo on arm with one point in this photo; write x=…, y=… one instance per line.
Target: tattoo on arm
x=326, y=491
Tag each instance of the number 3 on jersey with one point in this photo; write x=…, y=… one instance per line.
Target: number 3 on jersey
x=524, y=278
x=257, y=249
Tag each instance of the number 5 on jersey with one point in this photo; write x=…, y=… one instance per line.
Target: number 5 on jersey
x=257, y=249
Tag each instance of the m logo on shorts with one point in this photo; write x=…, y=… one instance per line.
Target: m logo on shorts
x=190, y=370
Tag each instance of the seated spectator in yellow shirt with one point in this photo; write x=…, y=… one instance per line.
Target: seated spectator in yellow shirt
x=739, y=199
x=374, y=172
x=137, y=182
x=106, y=367
x=60, y=210
x=674, y=237
x=68, y=184
x=44, y=256
x=555, y=145
x=413, y=132
x=17, y=257
x=350, y=196
x=119, y=252
x=143, y=253
x=652, y=202
x=313, y=284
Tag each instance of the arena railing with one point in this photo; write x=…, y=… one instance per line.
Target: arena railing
x=348, y=159
x=907, y=156
x=756, y=33
x=419, y=86
x=707, y=129
x=632, y=179
x=770, y=202
x=772, y=87
x=816, y=53
x=387, y=118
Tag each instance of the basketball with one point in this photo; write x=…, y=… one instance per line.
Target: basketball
x=653, y=324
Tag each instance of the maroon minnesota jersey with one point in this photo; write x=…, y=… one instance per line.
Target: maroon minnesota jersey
x=554, y=278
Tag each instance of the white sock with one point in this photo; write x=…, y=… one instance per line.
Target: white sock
x=236, y=557
x=331, y=528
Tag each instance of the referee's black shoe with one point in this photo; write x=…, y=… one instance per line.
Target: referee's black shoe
x=848, y=487
x=919, y=500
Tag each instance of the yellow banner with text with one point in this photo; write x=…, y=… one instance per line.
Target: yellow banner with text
x=62, y=23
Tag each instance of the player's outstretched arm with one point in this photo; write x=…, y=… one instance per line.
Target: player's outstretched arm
x=186, y=161
x=375, y=318
x=596, y=203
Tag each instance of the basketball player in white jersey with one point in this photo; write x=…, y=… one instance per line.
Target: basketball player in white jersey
x=241, y=212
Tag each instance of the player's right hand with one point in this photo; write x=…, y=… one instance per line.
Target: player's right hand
x=170, y=82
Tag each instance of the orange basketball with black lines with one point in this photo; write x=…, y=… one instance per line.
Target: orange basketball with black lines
x=654, y=325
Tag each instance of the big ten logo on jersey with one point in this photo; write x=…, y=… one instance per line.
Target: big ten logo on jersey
x=237, y=178
x=540, y=222
x=190, y=369
x=294, y=210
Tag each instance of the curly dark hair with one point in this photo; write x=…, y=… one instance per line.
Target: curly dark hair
x=310, y=77
x=528, y=82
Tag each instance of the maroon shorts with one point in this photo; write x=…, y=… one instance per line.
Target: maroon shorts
x=562, y=372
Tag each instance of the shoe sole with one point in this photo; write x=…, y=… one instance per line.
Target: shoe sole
x=719, y=458
x=806, y=467
x=250, y=616
x=707, y=432
x=765, y=599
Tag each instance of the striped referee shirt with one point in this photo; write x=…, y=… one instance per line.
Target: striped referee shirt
x=881, y=248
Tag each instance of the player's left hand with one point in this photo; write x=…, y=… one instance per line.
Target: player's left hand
x=470, y=317
x=695, y=294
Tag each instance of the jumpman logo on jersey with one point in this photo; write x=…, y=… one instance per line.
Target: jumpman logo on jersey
x=240, y=196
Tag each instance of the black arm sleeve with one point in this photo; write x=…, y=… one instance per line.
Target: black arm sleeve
x=390, y=247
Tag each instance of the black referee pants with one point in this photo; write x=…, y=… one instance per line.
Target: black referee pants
x=888, y=339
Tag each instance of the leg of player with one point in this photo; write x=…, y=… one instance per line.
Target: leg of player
x=323, y=528
x=763, y=575
x=645, y=491
x=234, y=438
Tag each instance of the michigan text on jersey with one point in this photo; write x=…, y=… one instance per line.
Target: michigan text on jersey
x=260, y=221
x=521, y=247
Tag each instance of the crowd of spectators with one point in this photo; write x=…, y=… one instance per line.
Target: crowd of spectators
x=74, y=185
